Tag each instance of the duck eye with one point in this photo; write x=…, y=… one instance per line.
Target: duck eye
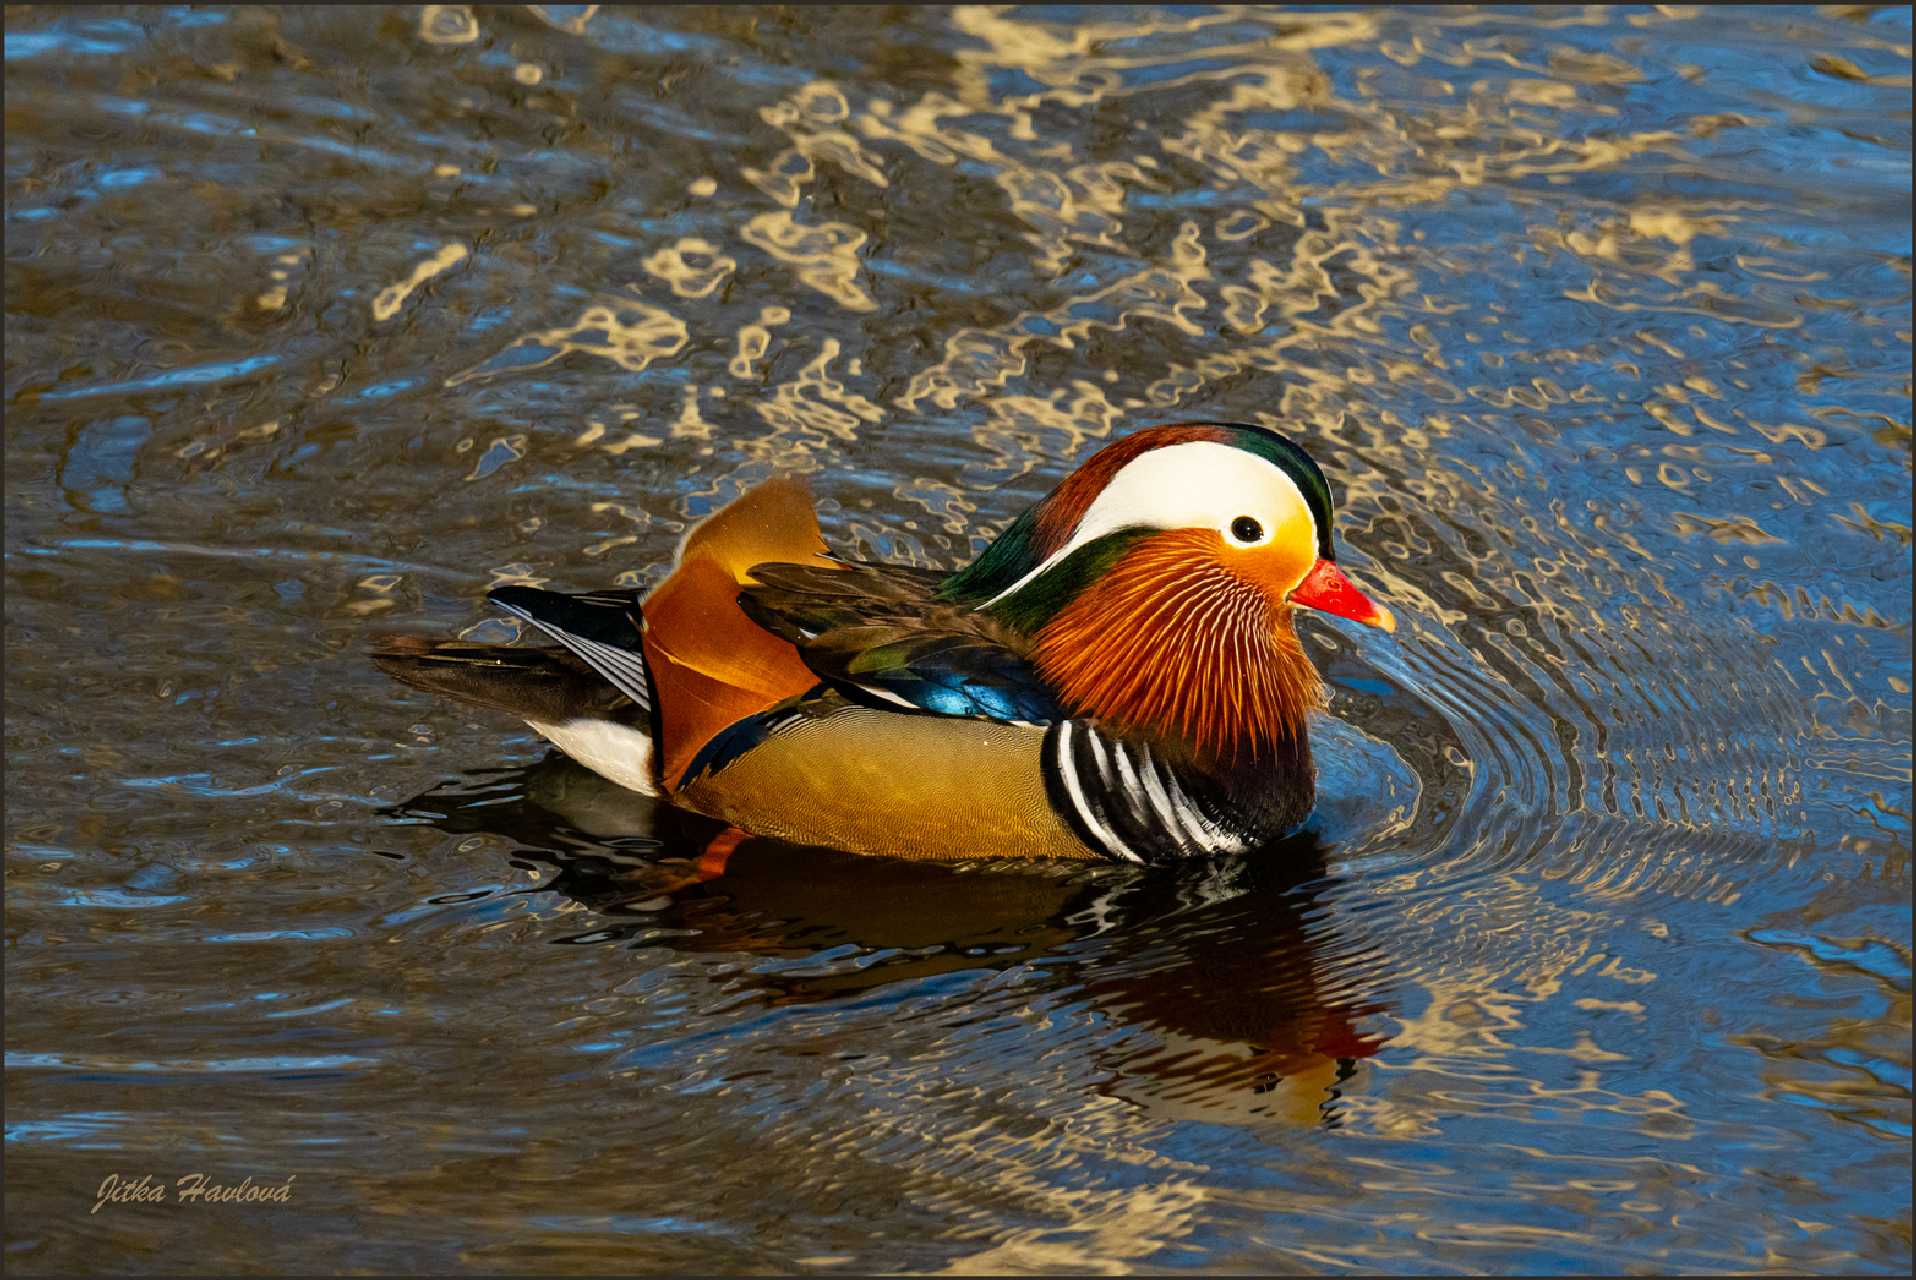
x=1246, y=530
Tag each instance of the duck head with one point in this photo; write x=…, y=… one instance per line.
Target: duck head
x=1156, y=587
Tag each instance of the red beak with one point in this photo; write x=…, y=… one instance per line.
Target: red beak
x=1325, y=587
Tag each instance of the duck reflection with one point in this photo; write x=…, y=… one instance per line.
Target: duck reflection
x=1220, y=976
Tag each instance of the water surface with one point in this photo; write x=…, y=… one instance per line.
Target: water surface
x=320, y=322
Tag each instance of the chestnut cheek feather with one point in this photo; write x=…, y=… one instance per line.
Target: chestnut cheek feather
x=1174, y=643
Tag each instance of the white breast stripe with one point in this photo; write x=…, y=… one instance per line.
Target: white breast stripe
x=1181, y=816
x=1198, y=824
x=1068, y=770
x=1135, y=787
x=1127, y=776
x=1155, y=793
x=1225, y=841
x=1096, y=740
x=1190, y=823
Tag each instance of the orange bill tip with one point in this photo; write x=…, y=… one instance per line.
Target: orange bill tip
x=1325, y=588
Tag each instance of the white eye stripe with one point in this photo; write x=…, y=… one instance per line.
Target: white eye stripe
x=1198, y=485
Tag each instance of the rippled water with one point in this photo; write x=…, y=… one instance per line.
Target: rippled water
x=320, y=322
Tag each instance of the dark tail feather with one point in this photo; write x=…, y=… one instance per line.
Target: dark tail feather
x=600, y=628
x=548, y=685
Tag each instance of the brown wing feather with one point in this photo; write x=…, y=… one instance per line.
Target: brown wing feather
x=880, y=629
x=802, y=601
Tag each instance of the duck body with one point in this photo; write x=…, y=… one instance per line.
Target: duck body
x=1116, y=677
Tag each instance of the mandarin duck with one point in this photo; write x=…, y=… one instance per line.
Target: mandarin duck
x=1115, y=677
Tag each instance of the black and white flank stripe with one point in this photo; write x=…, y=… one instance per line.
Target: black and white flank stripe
x=1122, y=800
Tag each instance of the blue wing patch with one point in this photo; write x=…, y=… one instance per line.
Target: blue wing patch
x=954, y=677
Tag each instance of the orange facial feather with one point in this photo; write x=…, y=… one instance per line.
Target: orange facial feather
x=1182, y=641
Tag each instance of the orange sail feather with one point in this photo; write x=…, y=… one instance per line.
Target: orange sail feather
x=712, y=666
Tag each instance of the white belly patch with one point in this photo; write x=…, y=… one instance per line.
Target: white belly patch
x=614, y=751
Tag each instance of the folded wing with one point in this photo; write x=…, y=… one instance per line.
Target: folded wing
x=879, y=634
